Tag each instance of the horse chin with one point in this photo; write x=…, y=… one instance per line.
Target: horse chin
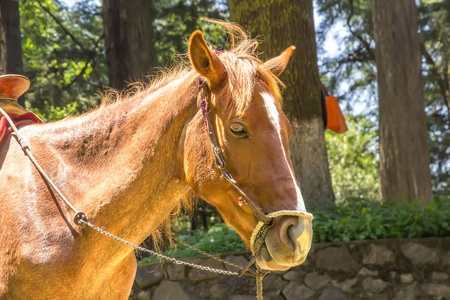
x=275, y=266
x=265, y=260
x=271, y=265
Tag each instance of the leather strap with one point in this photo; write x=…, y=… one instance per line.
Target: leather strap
x=204, y=96
x=265, y=220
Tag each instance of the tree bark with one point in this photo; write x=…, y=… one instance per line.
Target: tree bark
x=128, y=27
x=11, y=40
x=404, y=155
x=281, y=24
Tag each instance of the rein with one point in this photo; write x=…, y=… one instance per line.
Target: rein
x=265, y=220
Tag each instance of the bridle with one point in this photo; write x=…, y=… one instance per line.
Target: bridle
x=204, y=96
x=265, y=220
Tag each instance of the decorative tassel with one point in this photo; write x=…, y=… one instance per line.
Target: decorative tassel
x=241, y=201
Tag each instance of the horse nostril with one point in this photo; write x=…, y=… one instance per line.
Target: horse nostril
x=293, y=233
x=290, y=236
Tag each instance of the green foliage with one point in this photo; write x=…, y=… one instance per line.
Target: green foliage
x=353, y=219
x=353, y=158
x=51, y=113
x=349, y=71
x=63, y=67
x=63, y=47
x=434, y=29
x=218, y=239
x=358, y=219
x=175, y=20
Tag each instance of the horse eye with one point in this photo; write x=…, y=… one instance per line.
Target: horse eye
x=238, y=129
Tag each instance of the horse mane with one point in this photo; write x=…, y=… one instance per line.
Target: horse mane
x=243, y=67
x=241, y=63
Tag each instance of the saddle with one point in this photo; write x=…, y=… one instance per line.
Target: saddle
x=13, y=86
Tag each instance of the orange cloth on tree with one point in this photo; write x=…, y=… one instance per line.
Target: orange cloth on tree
x=335, y=118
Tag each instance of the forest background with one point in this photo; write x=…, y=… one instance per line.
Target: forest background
x=66, y=50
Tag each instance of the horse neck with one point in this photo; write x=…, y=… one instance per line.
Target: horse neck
x=123, y=162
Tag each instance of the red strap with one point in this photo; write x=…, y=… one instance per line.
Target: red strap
x=26, y=116
x=19, y=120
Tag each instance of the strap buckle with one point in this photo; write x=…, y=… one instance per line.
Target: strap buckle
x=79, y=218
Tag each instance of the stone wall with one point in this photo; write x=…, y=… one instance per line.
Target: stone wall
x=380, y=269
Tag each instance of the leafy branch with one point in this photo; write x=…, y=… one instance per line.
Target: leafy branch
x=358, y=36
x=90, y=54
x=63, y=27
x=88, y=61
x=442, y=82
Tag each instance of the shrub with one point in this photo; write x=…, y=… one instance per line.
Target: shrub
x=357, y=219
x=353, y=219
x=218, y=239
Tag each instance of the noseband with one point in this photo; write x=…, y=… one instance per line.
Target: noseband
x=265, y=220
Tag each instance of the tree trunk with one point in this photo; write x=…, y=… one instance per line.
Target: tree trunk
x=129, y=47
x=11, y=43
x=404, y=157
x=281, y=24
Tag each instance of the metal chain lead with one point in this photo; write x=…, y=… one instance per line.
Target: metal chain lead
x=243, y=270
x=80, y=219
x=264, y=218
x=162, y=256
x=259, y=273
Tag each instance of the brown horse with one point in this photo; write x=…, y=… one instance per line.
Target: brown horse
x=127, y=164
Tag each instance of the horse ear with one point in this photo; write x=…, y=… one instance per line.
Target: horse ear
x=205, y=61
x=277, y=64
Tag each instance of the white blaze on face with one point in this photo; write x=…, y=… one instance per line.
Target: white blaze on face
x=274, y=117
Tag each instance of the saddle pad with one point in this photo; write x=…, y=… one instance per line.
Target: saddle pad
x=19, y=120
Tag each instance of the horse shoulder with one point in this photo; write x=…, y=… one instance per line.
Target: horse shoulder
x=33, y=233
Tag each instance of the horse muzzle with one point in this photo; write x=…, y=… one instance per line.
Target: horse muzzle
x=286, y=244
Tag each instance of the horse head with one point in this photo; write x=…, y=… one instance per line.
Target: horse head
x=252, y=135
